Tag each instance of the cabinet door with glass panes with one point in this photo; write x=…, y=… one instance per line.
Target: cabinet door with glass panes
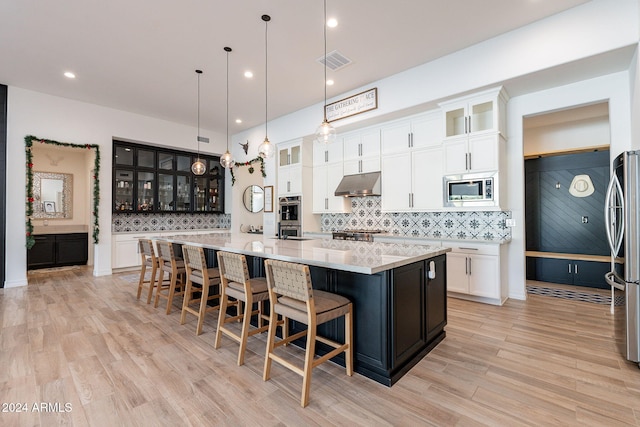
x=207, y=189
x=147, y=179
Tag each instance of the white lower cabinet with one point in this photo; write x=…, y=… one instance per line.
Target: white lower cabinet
x=474, y=270
x=126, y=250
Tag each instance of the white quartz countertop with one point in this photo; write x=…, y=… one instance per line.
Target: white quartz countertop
x=357, y=257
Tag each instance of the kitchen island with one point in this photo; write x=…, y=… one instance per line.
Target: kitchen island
x=398, y=292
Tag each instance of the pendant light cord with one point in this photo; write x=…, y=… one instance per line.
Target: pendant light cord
x=227, y=49
x=198, y=72
x=324, y=26
x=266, y=19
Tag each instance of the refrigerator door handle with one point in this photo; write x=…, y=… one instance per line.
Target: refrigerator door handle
x=614, y=190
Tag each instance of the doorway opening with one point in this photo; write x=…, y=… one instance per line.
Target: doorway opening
x=566, y=174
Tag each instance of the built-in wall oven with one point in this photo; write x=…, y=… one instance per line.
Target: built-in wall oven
x=470, y=190
x=290, y=211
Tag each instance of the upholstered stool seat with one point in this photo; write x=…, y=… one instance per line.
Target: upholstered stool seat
x=236, y=283
x=291, y=296
x=200, y=279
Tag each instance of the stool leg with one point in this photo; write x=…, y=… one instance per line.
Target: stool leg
x=143, y=270
x=160, y=282
x=246, y=322
x=273, y=323
x=186, y=299
x=308, y=364
x=348, y=337
x=224, y=303
x=203, y=306
x=152, y=283
x=172, y=290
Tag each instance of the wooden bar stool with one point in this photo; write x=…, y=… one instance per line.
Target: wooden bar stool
x=236, y=283
x=200, y=279
x=149, y=259
x=291, y=296
x=174, y=266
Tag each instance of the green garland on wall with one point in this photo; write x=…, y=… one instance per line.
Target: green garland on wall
x=29, y=140
x=249, y=163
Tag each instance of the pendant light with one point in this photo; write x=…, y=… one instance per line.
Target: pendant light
x=266, y=149
x=325, y=133
x=198, y=167
x=226, y=160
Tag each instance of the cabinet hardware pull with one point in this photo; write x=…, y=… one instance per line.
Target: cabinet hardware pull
x=326, y=156
x=409, y=140
x=409, y=199
x=360, y=166
x=569, y=268
x=470, y=161
x=469, y=266
x=326, y=203
x=466, y=160
x=575, y=268
x=466, y=266
x=467, y=249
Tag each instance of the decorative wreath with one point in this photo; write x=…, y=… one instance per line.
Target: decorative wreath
x=29, y=140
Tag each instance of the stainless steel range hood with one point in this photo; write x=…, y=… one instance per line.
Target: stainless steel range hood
x=359, y=185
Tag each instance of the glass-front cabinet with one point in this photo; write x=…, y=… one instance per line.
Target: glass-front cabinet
x=150, y=179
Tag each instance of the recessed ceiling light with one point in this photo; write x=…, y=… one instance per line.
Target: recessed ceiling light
x=238, y=121
x=332, y=22
x=330, y=82
x=69, y=75
x=248, y=74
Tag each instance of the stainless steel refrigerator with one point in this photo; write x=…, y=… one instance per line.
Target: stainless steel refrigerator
x=622, y=210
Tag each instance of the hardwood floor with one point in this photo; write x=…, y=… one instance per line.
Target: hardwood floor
x=72, y=339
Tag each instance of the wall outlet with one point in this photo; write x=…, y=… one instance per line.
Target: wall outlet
x=510, y=222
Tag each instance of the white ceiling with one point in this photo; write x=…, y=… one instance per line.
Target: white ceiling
x=140, y=55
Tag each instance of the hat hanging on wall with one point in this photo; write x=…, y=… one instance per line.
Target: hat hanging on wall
x=581, y=186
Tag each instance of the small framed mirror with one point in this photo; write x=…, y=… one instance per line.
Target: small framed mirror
x=253, y=198
x=52, y=194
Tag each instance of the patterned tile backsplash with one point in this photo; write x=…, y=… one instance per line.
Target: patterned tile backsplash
x=171, y=221
x=465, y=225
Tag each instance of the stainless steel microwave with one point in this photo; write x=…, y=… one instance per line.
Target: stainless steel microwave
x=469, y=190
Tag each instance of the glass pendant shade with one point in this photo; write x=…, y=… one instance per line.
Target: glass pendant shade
x=227, y=161
x=266, y=149
x=325, y=133
x=198, y=167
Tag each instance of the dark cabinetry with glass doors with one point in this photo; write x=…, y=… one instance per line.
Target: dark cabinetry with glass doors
x=151, y=179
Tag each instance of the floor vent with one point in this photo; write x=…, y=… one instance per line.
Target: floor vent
x=335, y=60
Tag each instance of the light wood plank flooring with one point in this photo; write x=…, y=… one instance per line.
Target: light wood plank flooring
x=70, y=338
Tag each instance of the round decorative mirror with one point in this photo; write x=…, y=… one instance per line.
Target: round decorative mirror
x=253, y=198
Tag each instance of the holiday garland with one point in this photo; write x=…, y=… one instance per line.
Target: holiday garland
x=249, y=163
x=29, y=140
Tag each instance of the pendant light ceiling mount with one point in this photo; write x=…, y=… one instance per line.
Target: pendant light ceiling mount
x=198, y=167
x=266, y=149
x=226, y=161
x=325, y=133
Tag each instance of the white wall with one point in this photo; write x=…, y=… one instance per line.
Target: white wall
x=578, y=134
x=64, y=120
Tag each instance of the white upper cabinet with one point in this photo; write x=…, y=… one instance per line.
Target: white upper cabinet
x=292, y=156
x=474, y=128
x=420, y=131
x=482, y=112
x=362, y=151
x=327, y=153
x=412, y=181
x=325, y=181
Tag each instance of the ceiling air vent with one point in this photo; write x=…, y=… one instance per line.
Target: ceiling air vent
x=335, y=60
